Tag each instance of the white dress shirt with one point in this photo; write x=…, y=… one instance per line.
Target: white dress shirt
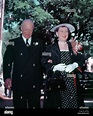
x=29, y=40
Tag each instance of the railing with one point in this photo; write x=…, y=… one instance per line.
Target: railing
x=87, y=84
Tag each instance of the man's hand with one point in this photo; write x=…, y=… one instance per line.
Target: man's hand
x=8, y=83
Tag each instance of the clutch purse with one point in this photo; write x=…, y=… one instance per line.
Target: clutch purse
x=55, y=84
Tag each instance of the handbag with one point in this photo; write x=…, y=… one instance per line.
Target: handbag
x=56, y=83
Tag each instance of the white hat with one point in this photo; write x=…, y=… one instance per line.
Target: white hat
x=71, y=27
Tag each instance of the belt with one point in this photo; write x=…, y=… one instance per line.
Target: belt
x=73, y=76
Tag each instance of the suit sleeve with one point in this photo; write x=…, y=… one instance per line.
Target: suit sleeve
x=8, y=61
x=46, y=55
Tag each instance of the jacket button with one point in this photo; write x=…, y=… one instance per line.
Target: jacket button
x=58, y=107
x=8, y=64
x=33, y=86
x=21, y=97
x=21, y=75
x=46, y=97
x=58, y=86
x=21, y=54
x=33, y=64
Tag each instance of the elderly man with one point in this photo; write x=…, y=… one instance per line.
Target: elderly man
x=22, y=70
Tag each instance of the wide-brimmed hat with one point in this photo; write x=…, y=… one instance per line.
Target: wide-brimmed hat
x=69, y=26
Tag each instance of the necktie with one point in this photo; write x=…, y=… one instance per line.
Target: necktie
x=27, y=44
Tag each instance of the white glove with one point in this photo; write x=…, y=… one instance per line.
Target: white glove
x=71, y=67
x=59, y=67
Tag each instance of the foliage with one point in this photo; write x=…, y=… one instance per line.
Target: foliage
x=47, y=13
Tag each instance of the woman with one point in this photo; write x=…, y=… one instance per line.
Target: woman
x=62, y=89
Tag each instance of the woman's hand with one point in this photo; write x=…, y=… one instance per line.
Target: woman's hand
x=76, y=46
x=59, y=67
x=71, y=67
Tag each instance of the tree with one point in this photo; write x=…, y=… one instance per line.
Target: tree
x=47, y=13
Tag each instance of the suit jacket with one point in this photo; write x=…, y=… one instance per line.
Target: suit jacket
x=22, y=64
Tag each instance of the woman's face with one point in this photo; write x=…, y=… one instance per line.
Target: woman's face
x=62, y=33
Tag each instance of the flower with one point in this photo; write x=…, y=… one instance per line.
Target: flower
x=35, y=43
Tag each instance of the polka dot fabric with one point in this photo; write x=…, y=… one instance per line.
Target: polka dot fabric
x=69, y=96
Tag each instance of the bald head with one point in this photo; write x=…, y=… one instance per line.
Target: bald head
x=27, y=21
x=27, y=28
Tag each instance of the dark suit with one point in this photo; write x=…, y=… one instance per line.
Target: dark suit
x=22, y=64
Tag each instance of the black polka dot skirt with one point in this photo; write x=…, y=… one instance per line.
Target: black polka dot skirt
x=69, y=96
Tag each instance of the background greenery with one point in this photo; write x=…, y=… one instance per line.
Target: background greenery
x=46, y=14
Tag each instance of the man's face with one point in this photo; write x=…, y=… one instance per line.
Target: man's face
x=27, y=29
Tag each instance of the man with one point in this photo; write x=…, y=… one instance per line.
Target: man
x=22, y=70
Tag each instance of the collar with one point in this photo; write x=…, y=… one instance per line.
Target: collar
x=29, y=39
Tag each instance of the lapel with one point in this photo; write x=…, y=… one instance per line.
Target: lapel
x=57, y=51
x=24, y=47
x=32, y=48
x=22, y=43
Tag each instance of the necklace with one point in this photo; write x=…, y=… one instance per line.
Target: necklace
x=60, y=42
